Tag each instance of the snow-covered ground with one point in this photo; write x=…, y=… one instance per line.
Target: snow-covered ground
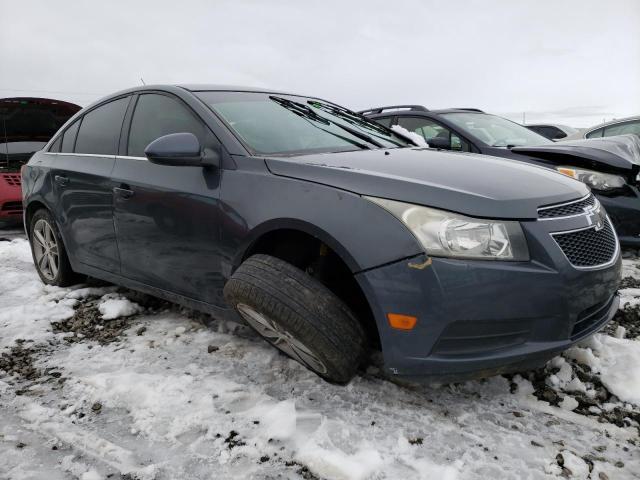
x=97, y=382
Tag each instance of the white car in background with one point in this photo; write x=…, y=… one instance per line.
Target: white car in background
x=615, y=127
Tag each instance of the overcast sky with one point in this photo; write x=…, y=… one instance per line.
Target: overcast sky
x=570, y=61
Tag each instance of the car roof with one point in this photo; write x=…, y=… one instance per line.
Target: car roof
x=198, y=88
x=613, y=122
x=415, y=110
x=230, y=88
x=176, y=88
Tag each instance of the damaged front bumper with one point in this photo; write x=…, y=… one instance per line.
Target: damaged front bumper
x=477, y=318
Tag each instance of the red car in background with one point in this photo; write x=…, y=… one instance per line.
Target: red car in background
x=26, y=125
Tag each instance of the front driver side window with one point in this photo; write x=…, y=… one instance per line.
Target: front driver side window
x=430, y=129
x=157, y=115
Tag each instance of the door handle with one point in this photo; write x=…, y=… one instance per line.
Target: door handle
x=61, y=180
x=123, y=191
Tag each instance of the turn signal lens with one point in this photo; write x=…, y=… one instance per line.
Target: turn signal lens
x=401, y=322
x=596, y=180
x=569, y=172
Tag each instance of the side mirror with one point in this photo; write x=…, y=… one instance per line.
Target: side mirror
x=440, y=143
x=176, y=149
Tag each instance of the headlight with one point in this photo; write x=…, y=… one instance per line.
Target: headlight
x=445, y=234
x=596, y=180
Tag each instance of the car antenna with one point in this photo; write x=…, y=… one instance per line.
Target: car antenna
x=142, y=80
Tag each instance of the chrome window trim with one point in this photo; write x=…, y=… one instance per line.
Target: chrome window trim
x=80, y=154
x=121, y=157
x=616, y=252
x=127, y=157
x=595, y=207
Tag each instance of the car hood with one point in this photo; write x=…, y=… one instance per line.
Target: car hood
x=470, y=184
x=621, y=152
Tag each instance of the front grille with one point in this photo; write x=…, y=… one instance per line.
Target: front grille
x=567, y=209
x=12, y=179
x=9, y=206
x=589, y=247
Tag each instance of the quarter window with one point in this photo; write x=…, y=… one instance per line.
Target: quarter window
x=596, y=133
x=158, y=115
x=69, y=138
x=100, y=129
x=55, y=146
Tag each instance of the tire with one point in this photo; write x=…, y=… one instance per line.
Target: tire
x=47, y=249
x=298, y=315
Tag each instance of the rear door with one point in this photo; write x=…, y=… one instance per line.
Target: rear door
x=81, y=176
x=167, y=217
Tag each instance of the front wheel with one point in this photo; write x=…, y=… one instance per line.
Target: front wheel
x=49, y=254
x=298, y=315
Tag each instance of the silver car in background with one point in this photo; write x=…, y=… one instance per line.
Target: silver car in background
x=620, y=126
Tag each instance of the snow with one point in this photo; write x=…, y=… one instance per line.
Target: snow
x=569, y=403
x=413, y=136
x=114, y=306
x=157, y=403
x=618, y=363
x=576, y=466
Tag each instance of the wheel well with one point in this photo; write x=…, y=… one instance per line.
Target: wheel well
x=313, y=256
x=31, y=209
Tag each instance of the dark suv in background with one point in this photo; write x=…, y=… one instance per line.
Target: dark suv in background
x=326, y=232
x=609, y=166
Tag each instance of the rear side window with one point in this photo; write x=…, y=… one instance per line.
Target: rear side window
x=157, y=115
x=100, y=129
x=596, y=133
x=69, y=138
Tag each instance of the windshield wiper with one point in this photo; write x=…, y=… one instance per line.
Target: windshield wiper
x=357, y=120
x=303, y=108
x=308, y=114
x=359, y=134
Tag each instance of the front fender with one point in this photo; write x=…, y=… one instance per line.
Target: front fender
x=254, y=202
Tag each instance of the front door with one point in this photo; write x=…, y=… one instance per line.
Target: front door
x=167, y=217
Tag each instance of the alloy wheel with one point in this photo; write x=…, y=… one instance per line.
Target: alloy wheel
x=45, y=249
x=281, y=339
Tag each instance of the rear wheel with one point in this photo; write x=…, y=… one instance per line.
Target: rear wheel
x=49, y=254
x=298, y=315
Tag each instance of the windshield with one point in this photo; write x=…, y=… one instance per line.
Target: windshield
x=290, y=125
x=496, y=131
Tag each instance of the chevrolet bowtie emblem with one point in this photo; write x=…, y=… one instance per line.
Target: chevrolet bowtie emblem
x=594, y=217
